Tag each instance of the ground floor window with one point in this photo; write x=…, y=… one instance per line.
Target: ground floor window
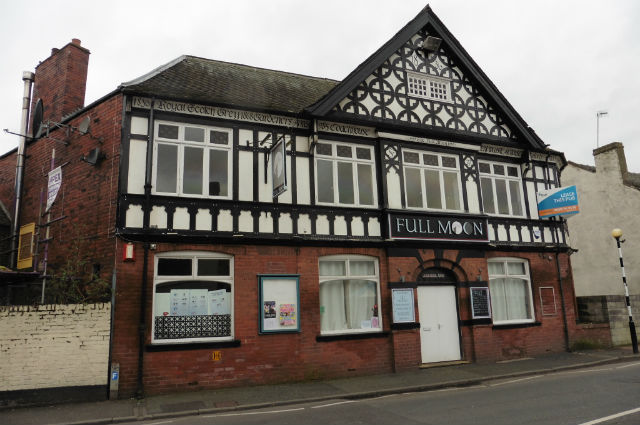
x=349, y=294
x=510, y=288
x=192, y=297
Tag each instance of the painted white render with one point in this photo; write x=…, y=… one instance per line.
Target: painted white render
x=608, y=199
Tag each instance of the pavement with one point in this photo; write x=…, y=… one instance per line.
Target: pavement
x=458, y=374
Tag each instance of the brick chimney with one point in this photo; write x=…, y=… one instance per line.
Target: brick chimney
x=611, y=161
x=61, y=80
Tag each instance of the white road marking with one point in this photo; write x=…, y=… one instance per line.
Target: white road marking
x=608, y=418
x=157, y=423
x=334, y=404
x=628, y=365
x=588, y=370
x=251, y=413
x=515, y=380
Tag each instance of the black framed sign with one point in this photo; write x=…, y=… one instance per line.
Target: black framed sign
x=431, y=227
x=279, y=303
x=480, y=303
x=403, y=306
x=278, y=155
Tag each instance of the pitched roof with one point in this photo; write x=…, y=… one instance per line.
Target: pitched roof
x=427, y=18
x=208, y=81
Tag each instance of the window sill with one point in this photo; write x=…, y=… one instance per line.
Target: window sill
x=348, y=337
x=404, y=326
x=516, y=325
x=191, y=346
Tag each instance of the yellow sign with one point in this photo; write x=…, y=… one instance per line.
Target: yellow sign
x=25, y=246
x=216, y=356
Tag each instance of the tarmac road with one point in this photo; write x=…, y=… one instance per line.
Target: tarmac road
x=608, y=394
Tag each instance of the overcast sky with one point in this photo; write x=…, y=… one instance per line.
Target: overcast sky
x=557, y=62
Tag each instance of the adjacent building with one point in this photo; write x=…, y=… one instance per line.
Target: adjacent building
x=609, y=196
x=262, y=226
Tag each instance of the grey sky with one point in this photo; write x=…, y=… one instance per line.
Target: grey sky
x=557, y=62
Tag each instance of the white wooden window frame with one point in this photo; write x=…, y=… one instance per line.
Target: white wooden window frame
x=441, y=170
x=506, y=178
x=335, y=159
x=525, y=277
x=194, y=256
x=375, y=278
x=419, y=78
x=206, y=146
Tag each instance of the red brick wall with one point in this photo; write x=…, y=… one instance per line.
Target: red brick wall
x=61, y=80
x=259, y=359
x=87, y=197
x=8, y=180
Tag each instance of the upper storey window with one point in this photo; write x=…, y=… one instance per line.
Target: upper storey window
x=345, y=174
x=428, y=87
x=432, y=181
x=501, y=189
x=192, y=160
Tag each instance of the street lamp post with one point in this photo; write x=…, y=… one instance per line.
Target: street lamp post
x=617, y=234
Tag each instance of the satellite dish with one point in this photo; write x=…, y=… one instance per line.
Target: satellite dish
x=83, y=128
x=36, y=125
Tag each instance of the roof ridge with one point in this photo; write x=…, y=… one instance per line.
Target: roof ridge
x=260, y=68
x=154, y=72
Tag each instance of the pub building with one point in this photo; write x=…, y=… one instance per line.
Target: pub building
x=274, y=227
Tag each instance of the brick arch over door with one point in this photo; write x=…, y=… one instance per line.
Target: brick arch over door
x=442, y=263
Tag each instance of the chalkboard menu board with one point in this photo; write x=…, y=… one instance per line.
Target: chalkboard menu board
x=480, y=303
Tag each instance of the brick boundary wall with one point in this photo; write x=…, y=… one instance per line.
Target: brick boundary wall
x=51, y=346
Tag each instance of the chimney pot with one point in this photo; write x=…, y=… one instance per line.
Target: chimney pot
x=75, y=41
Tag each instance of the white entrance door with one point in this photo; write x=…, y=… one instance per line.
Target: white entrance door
x=439, y=338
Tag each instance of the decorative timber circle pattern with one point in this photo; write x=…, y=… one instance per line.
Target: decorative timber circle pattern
x=385, y=95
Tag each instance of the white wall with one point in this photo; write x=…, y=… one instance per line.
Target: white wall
x=52, y=346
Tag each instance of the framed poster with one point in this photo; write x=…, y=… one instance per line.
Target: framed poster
x=480, y=303
x=403, y=306
x=279, y=303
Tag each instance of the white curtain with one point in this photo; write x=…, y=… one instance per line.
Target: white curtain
x=509, y=299
x=346, y=304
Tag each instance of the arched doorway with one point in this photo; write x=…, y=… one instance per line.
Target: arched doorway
x=438, y=312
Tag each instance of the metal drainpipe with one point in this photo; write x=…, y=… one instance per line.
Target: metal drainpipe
x=28, y=78
x=145, y=263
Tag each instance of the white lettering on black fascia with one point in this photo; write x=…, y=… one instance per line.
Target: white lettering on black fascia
x=444, y=229
x=477, y=229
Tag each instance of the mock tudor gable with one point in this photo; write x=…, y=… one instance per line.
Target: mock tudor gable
x=403, y=84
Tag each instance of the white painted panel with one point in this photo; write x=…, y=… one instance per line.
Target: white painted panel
x=265, y=223
x=393, y=189
x=265, y=192
x=513, y=233
x=492, y=233
x=526, y=235
x=303, y=181
x=533, y=201
x=137, y=166
x=135, y=217
x=340, y=226
x=245, y=137
x=203, y=219
x=322, y=225
x=548, y=236
x=158, y=217
x=502, y=233
x=302, y=144
x=473, y=198
x=225, y=221
x=439, y=335
x=374, y=227
x=139, y=125
x=357, y=226
x=245, y=176
x=285, y=223
x=304, y=224
x=245, y=222
x=181, y=219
